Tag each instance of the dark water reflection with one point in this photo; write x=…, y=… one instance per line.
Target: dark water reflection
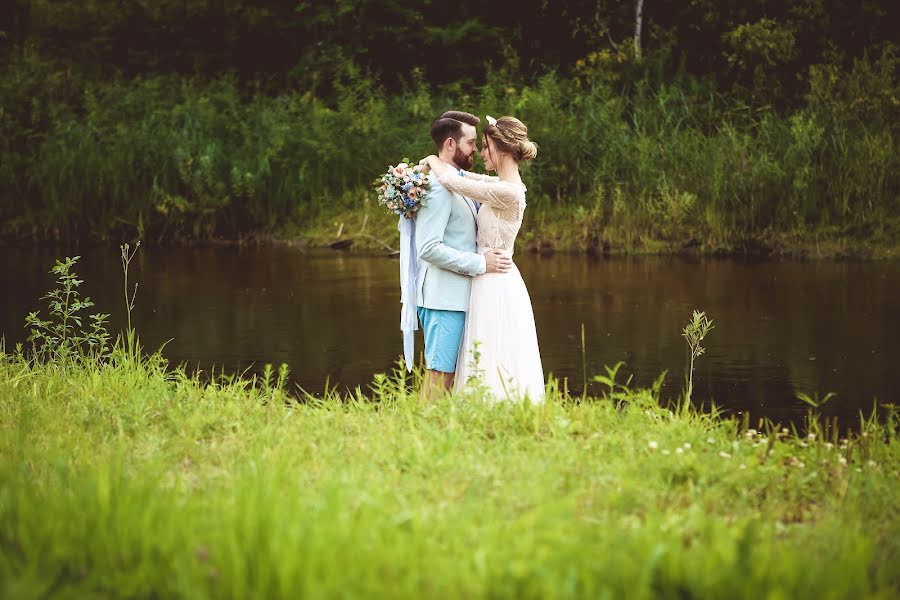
x=781, y=327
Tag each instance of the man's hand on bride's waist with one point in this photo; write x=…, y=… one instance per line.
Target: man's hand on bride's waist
x=497, y=261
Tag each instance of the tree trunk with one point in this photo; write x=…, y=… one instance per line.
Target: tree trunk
x=638, y=15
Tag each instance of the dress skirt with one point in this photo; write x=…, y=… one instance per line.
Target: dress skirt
x=499, y=353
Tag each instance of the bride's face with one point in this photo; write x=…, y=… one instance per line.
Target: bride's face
x=486, y=154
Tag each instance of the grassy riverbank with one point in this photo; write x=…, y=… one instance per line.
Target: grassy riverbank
x=581, y=231
x=133, y=480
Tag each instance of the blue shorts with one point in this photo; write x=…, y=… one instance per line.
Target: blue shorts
x=443, y=331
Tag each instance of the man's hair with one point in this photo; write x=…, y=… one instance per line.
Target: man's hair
x=450, y=125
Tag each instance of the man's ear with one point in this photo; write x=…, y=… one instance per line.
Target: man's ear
x=450, y=144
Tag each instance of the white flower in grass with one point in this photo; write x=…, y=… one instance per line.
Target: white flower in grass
x=710, y=441
x=842, y=460
x=679, y=450
x=687, y=445
x=784, y=430
x=811, y=436
x=724, y=454
x=652, y=445
x=872, y=463
x=742, y=467
x=751, y=433
x=665, y=452
x=829, y=445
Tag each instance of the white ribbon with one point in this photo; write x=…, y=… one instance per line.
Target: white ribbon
x=409, y=321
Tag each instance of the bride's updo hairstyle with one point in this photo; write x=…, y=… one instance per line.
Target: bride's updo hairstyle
x=510, y=135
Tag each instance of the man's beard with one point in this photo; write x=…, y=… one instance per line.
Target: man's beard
x=462, y=161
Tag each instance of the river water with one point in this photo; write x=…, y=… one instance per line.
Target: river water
x=780, y=327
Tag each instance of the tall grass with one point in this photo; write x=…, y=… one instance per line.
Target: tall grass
x=134, y=480
x=173, y=157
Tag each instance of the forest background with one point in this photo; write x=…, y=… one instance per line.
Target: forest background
x=718, y=125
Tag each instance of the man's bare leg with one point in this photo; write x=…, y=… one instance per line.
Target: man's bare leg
x=449, y=378
x=435, y=384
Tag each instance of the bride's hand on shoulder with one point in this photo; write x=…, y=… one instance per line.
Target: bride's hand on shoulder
x=423, y=166
x=435, y=164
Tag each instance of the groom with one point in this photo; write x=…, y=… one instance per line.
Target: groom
x=445, y=246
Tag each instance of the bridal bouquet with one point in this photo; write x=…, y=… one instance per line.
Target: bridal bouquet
x=402, y=189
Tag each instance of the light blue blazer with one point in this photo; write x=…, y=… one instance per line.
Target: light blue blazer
x=445, y=246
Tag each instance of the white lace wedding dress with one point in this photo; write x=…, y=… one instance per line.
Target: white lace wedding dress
x=500, y=346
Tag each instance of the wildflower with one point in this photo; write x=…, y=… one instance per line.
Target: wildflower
x=679, y=451
x=742, y=467
x=872, y=463
x=653, y=445
x=687, y=445
x=829, y=445
x=842, y=460
x=811, y=436
x=750, y=433
x=784, y=430
x=710, y=441
x=724, y=454
x=665, y=452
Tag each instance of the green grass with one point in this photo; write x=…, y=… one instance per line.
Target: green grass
x=129, y=479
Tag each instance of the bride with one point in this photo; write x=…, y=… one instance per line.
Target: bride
x=499, y=346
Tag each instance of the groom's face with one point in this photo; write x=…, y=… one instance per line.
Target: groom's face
x=464, y=157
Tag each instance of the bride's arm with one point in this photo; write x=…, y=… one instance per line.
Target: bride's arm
x=481, y=177
x=496, y=194
x=438, y=167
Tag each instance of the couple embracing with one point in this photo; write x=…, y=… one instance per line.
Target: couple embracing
x=472, y=303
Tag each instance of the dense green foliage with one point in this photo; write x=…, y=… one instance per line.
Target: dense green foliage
x=199, y=119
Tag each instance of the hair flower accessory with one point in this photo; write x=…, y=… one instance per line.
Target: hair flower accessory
x=491, y=120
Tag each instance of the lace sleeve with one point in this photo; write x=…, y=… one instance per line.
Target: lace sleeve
x=496, y=194
x=480, y=177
